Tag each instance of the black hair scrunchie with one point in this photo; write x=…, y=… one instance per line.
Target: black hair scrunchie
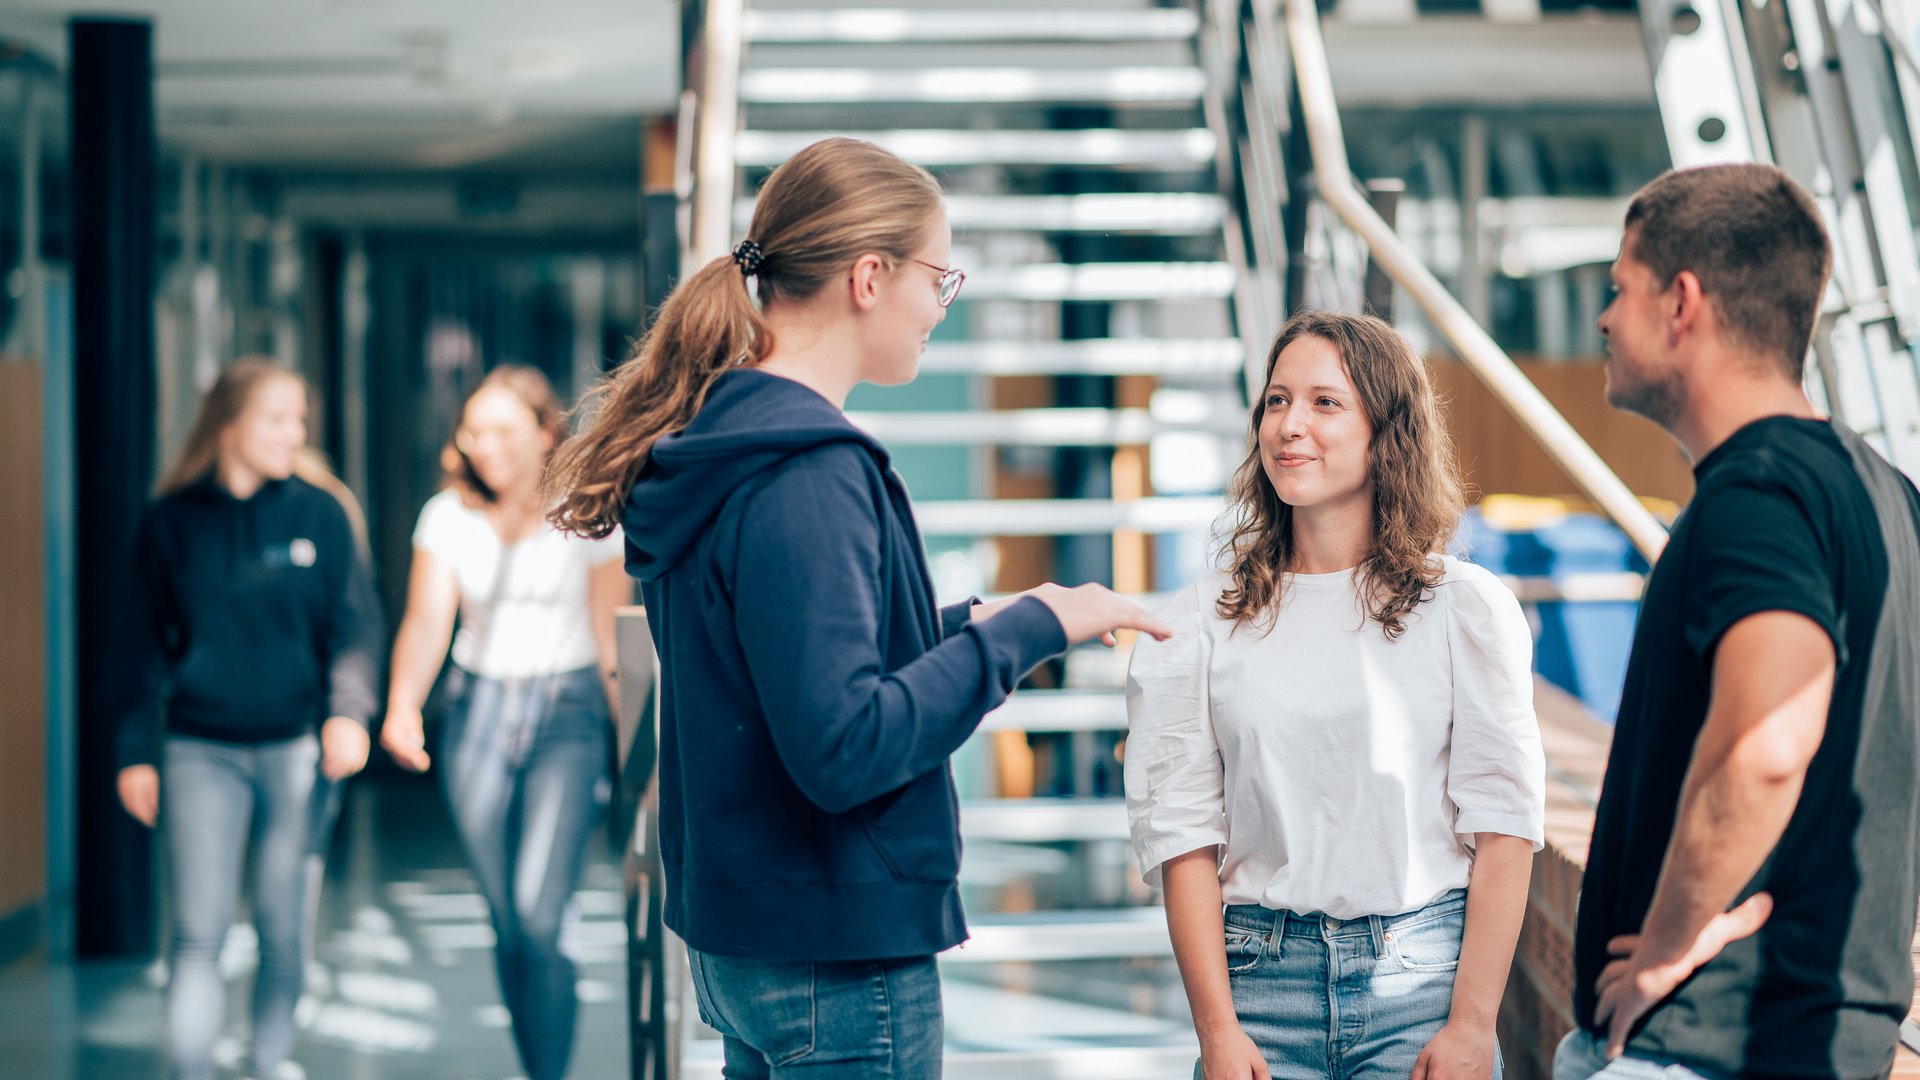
x=748, y=256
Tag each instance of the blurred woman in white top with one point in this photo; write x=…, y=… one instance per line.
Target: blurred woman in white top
x=1338, y=746
x=525, y=750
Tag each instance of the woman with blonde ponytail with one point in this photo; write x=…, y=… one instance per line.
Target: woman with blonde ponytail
x=812, y=690
x=247, y=674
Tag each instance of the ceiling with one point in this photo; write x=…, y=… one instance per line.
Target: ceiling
x=359, y=85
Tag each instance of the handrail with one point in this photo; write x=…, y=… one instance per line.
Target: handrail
x=717, y=119
x=1476, y=347
x=1254, y=239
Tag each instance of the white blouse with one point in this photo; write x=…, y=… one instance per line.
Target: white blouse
x=1341, y=772
x=525, y=607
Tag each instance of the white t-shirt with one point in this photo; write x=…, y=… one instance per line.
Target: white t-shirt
x=1342, y=772
x=524, y=607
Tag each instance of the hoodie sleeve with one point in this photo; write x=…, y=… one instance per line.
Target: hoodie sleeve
x=355, y=633
x=149, y=622
x=807, y=604
x=955, y=617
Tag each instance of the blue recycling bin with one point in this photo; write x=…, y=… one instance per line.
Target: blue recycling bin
x=1579, y=646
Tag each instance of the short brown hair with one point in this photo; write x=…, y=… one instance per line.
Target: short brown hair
x=1417, y=495
x=1755, y=240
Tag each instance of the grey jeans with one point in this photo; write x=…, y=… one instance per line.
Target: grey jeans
x=217, y=800
x=525, y=769
x=1582, y=1055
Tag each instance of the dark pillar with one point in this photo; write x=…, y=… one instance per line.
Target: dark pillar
x=659, y=257
x=1384, y=195
x=110, y=68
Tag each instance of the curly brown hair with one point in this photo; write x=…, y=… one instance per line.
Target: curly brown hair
x=1417, y=494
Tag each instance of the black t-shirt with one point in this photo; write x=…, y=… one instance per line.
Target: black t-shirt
x=1800, y=516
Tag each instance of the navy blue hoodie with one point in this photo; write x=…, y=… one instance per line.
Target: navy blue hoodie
x=812, y=692
x=247, y=620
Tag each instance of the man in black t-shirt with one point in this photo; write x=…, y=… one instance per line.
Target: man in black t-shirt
x=1750, y=890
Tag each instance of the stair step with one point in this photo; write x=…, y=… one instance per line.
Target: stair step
x=1041, y=821
x=1032, y=427
x=1065, y=517
x=1116, y=86
x=1103, y=281
x=1170, y=213
x=897, y=25
x=1117, y=934
x=1059, y=711
x=1182, y=358
x=1186, y=148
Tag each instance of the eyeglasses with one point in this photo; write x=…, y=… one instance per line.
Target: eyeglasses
x=950, y=281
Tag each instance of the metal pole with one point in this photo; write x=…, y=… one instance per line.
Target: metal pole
x=1474, y=294
x=1469, y=339
x=34, y=308
x=719, y=117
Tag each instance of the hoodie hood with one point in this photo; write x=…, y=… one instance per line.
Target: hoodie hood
x=751, y=422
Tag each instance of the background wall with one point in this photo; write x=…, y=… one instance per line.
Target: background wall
x=1500, y=457
x=23, y=661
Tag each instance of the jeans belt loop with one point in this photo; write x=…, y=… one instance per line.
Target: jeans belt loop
x=1378, y=928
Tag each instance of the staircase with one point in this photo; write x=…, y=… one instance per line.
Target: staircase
x=1824, y=89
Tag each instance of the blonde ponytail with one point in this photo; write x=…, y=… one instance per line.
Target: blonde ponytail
x=222, y=404
x=707, y=325
x=819, y=212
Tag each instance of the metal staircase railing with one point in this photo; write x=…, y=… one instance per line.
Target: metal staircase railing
x=1824, y=89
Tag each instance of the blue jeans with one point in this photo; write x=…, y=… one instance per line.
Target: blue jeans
x=216, y=800
x=1354, y=998
x=814, y=1020
x=525, y=770
x=1582, y=1054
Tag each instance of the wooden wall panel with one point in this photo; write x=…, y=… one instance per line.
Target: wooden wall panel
x=1500, y=457
x=23, y=651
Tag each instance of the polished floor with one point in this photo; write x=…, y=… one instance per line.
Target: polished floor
x=402, y=983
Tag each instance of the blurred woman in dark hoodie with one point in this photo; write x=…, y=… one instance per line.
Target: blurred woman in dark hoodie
x=249, y=669
x=813, y=692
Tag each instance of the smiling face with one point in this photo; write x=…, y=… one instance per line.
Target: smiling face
x=906, y=308
x=1314, y=432
x=266, y=436
x=502, y=437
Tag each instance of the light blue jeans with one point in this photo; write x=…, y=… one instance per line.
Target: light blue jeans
x=1582, y=1054
x=524, y=764
x=1349, y=999
x=806, y=1020
x=217, y=799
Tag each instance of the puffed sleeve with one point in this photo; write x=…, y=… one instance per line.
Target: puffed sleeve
x=1497, y=774
x=1176, y=785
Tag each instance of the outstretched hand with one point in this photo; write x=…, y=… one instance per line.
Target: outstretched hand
x=1094, y=611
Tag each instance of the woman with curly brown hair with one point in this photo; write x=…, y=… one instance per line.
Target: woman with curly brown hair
x=1337, y=745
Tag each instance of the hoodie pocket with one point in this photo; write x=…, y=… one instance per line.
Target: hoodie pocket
x=916, y=832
